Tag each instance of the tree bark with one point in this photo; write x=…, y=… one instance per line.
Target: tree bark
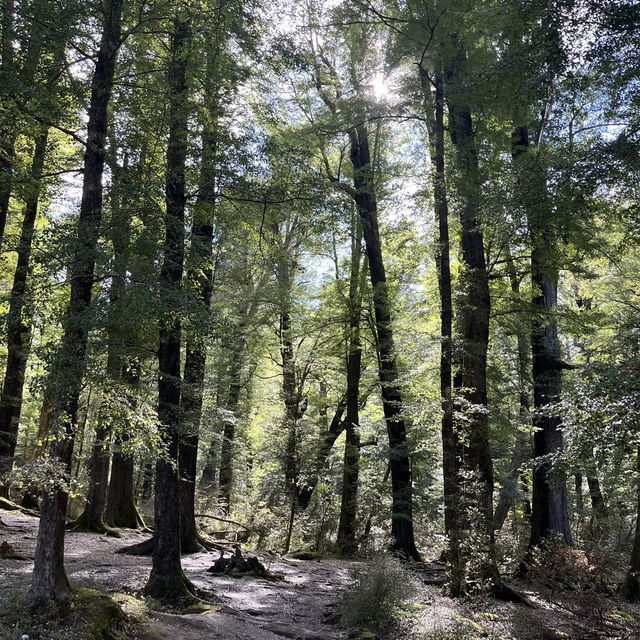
x=167, y=581
x=49, y=580
x=522, y=448
x=200, y=282
x=329, y=437
x=8, y=132
x=434, y=100
x=477, y=488
x=598, y=504
x=631, y=587
x=19, y=320
x=92, y=517
x=346, y=541
x=549, y=505
x=401, y=484
x=229, y=422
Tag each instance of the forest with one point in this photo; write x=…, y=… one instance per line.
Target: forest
x=319, y=319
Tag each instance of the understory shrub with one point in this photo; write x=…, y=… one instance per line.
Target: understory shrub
x=375, y=593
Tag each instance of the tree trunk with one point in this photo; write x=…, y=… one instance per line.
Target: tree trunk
x=346, y=541
x=631, y=587
x=49, y=578
x=167, y=581
x=521, y=449
x=200, y=281
x=329, y=437
x=598, y=504
x=19, y=320
x=450, y=444
x=477, y=489
x=92, y=518
x=229, y=423
x=291, y=400
x=8, y=130
x=121, y=510
x=549, y=507
x=579, y=495
x=401, y=484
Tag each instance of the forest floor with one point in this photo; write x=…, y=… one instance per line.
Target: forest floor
x=304, y=605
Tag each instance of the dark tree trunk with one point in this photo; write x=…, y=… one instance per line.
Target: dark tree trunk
x=92, y=518
x=346, y=541
x=231, y=405
x=450, y=445
x=598, y=504
x=549, y=506
x=401, y=484
x=290, y=396
x=19, y=320
x=329, y=437
x=631, y=587
x=579, y=495
x=167, y=581
x=49, y=578
x=7, y=127
x=123, y=372
x=477, y=489
x=522, y=448
x=200, y=281
x=121, y=510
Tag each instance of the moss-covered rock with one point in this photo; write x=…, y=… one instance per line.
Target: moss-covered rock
x=85, y=615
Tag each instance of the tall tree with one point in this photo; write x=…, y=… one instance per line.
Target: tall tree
x=49, y=580
x=167, y=581
x=473, y=311
x=346, y=540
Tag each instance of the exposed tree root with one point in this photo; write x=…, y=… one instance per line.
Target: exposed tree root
x=144, y=548
x=8, y=505
x=82, y=526
x=503, y=592
x=237, y=564
x=178, y=594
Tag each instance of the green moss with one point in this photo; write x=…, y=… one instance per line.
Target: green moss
x=622, y=616
x=489, y=616
x=96, y=614
x=472, y=625
x=365, y=634
x=202, y=608
x=85, y=615
x=415, y=607
x=133, y=607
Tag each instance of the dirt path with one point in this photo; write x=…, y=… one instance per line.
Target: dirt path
x=300, y=606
